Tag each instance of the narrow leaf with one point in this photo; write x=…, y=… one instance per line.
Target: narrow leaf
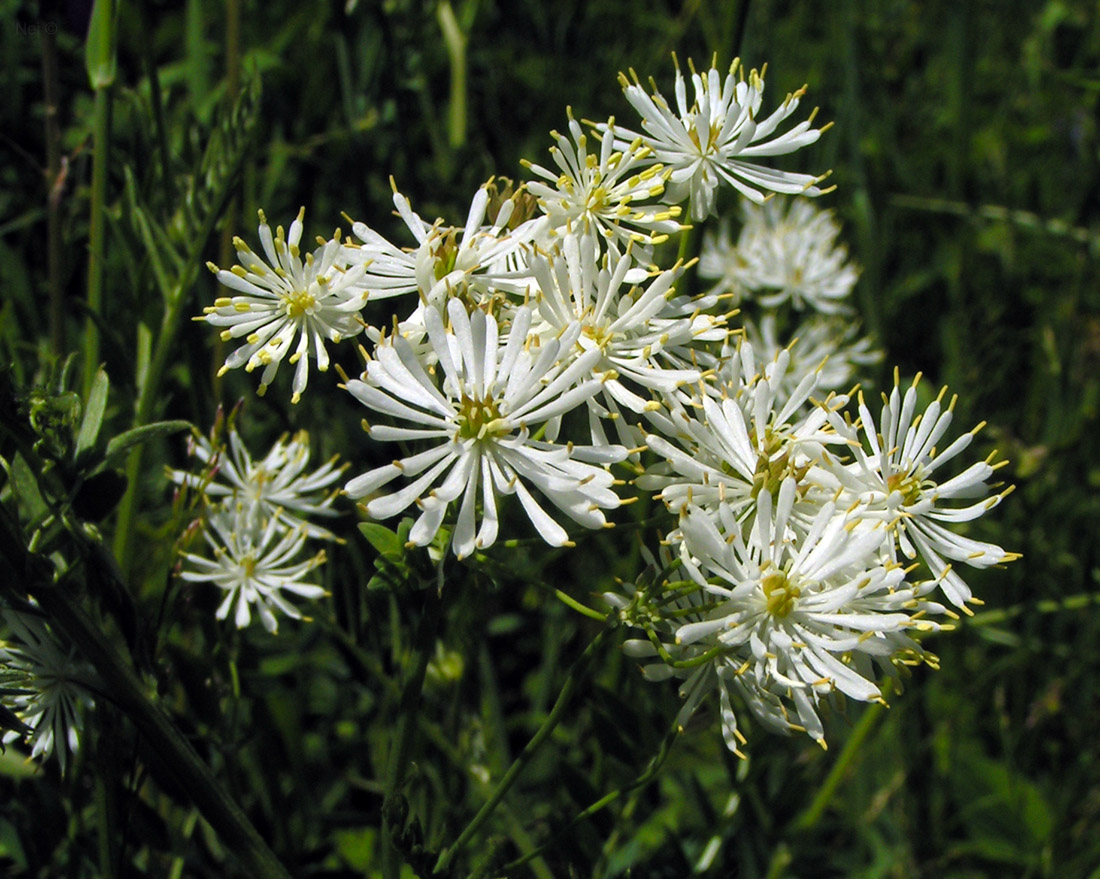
x=99, y=53
x=144, y=352
x=131, y=438
x=27, y=492
x=94, y=408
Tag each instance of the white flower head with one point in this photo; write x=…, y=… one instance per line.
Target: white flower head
x=717, y=136
x=787, y=252
x=255, y=566
x=276, y=486
x=640, y=338
x=895, y=479
x=475, y=262
x=744, y=438
x=478, y=411
x=49, y=686
x=286, y=298
x=802, y=618
x=604, y=190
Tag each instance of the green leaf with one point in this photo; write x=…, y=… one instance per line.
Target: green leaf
x=94, y=408
x=27, y=492
x=99, y=52
x=1007, y=815
x=388, y=544
x=125, y=441
x=390, y=577
x=11, y=848
x=356, y=846
x=158, y=246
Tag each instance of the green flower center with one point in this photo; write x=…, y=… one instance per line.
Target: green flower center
x=480, y=419
x=907, y=485
x=445, y=255
x=601, y=335
x=773, y=465
x=298, y=302
x=597, y=199
x=780, y=594
x=712, y=138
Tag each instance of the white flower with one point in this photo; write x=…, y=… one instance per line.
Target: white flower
x=474, y=262
x=602, y=191
x=284, y=299
x=894, y=480
x=632, y=327
x=479, y=415
x=51, y=686
x=709, y=140
x=747, y=438
x=786, y=252
x=253, y=566
x=276, y=486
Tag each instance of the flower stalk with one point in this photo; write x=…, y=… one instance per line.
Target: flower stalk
x=398, y=762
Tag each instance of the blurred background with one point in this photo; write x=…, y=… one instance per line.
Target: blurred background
x=966, y=155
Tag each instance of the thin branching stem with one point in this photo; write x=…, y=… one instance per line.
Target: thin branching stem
x=576, y=673
x=398, y=762
x=647, y=775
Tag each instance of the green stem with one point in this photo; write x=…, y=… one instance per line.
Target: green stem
x=812, y=814
x=585, y=610
x=398, y=763
x=98, y=235
x=53, y=197
x=455, y=41
x=148, y=392
x=130, y=694
x=687, y=243
x=580, y=666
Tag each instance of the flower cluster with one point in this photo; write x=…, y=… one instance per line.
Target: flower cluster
x=258, y=518
x=797, y=528
x=547, y=340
